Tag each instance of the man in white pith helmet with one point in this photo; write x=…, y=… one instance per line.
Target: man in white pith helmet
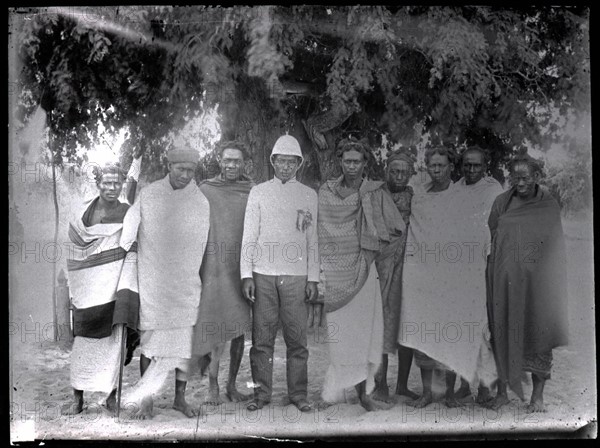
x=279, y=267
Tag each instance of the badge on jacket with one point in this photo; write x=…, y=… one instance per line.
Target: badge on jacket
x=303, y=220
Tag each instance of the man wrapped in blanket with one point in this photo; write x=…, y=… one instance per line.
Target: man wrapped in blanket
x=95, y=265
x=170, y=223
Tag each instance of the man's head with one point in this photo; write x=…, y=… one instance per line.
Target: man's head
x=525, y=173
x=232, y=158
x=286, y=157
x=354, y=155
x=109, y=180
x=474, y=164
x=440, y=164
x=182, y=166
x=400, y=167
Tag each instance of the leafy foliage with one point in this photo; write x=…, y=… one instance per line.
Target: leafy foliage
x=485, y=75
x=571, y=184
x=569, y=178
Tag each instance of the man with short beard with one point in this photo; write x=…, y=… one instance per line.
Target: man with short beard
x=527, y=281
x=94, y=267
x=428, y=299
x=358, y=224
x=224, y=313
x=400, y=167
x=170, y=223
x=474, y=195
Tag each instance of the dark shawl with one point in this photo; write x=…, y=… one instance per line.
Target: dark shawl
x=390, y=265
x=527, y=282
x=224, y=313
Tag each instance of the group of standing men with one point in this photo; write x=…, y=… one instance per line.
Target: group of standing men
x=396, y=270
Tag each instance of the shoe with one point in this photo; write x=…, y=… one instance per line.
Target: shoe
x=256, y=404
x=302, y=405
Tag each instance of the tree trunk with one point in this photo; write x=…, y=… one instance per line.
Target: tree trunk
x=250, y=118
x=55, y=198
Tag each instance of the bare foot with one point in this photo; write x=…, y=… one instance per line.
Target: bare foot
x=535, y=406
x=497, y=402
x=214, y=398
x=483, y=396
x=145, y=411
x=72, y=408
x=322, y=405
x=181, y=405
x=235, y=396
x=375, y=405
x=421, y=402
x=464, y=396
x=462, y=392
x=452, y=402
x=407, y=393
x=381, y=393
x=482, y=400
x=76, y=406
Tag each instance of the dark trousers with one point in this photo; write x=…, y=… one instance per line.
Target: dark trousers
x=279, y=298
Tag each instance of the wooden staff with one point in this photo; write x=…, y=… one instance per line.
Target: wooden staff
x=132, y=176
x=121, y=365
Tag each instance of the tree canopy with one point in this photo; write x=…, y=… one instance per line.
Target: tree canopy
x=487, y=75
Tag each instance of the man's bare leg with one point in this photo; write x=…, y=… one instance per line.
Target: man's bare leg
x=501, y=397
x=483, y=395
x=537, y=395
x=213, y=374
x=464, y=390
x=369, y=403
x=144, y=363
x=450, y=399
x=204, y=364
x=427, y=396
x=381, y=391
x=236, y=353
x=111, y=401
x=405, y=357
x=77, y=406
x=180, y=404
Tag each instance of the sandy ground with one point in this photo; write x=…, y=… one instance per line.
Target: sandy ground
x=40, y=385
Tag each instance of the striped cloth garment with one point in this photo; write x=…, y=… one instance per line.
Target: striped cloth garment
x=95, y=266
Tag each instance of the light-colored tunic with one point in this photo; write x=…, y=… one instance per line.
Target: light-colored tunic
x=171, y=229
x=354, y=350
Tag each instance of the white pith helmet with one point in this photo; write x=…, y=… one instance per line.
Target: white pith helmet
x=286, y=145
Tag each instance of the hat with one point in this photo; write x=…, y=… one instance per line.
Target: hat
x=286, y=145
x=400, y=154
x=183, y=155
